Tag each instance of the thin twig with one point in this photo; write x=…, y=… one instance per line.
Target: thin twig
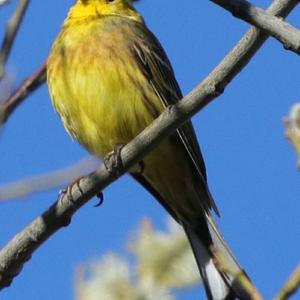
x=240, y=277
x=12, y=28
x=291, y=286
x=42, y=182
x=21, y=247
x=285, y=33
x=29, y=85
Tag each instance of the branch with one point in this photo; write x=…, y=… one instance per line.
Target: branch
x=239, y=277
x=19, y=250
x=288, y=35
x=27, y=88
x=12, y=28
x=291, y=286
x=42, y=182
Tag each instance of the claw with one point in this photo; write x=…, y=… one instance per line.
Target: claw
x=100, y=196
x=67, y=191
x=62, y=192
x=113, y=161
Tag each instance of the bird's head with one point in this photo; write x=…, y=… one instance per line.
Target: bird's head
x=102, y=8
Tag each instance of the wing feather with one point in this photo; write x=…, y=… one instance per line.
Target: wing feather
x=155, y=65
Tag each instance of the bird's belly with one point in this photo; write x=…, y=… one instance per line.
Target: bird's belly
x=104, y=117
x=103, y=108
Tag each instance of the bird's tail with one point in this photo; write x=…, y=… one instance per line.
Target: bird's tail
x=218, y=285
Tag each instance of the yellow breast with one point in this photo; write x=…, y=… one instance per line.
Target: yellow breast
x=97, y=88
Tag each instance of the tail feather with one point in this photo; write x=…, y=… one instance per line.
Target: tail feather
x=218, y=285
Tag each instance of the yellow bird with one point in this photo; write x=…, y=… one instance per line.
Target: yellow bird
x=109, y=78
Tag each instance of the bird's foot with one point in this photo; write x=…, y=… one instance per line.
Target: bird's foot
x=113, y=161
x=68, y=190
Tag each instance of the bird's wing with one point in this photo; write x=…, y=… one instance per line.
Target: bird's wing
x=155, y=65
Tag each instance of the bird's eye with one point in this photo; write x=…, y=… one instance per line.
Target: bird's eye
x=110, y=0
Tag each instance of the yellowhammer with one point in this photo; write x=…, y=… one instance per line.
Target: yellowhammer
x=109, y=78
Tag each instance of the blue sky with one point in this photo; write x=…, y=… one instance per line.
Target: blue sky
x=251, y=167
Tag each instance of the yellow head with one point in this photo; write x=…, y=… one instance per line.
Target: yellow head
x=101, y=8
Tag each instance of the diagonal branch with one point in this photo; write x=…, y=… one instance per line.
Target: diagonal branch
x=47, y=181
x=291, y=286
x=19, y=250
x=285, y=33
x=27, y=88
x=12, y=28
x=223, y=265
